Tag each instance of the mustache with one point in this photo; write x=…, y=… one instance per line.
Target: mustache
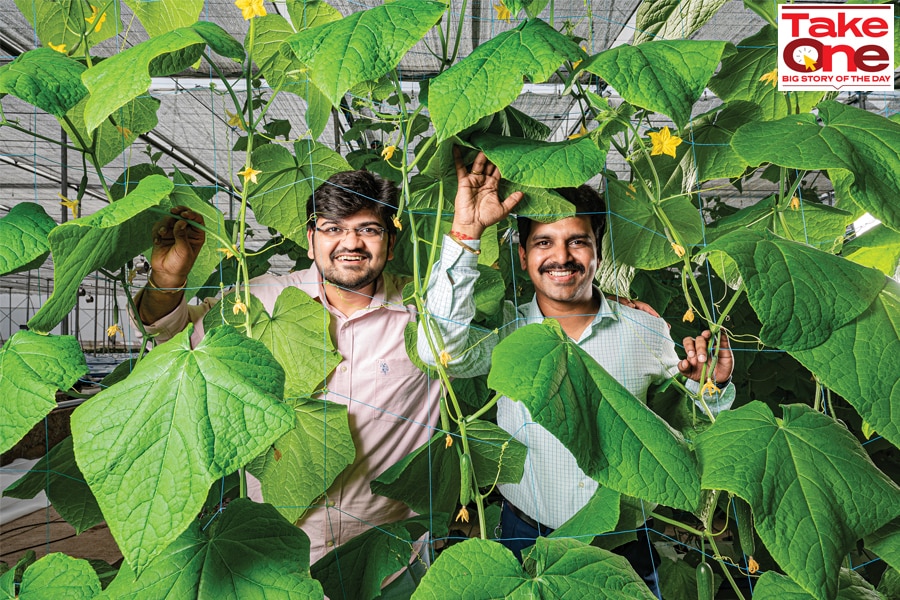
x=357, y=251
x=569, y=266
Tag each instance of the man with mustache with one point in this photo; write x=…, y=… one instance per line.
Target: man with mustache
x=392, y=405
x=561, y=259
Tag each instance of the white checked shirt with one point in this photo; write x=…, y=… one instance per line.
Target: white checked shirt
x=633, y=346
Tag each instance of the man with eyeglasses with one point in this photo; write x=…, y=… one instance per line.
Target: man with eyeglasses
x=392, y=405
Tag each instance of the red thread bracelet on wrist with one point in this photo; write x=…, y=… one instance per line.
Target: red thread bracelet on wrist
x=461, y=236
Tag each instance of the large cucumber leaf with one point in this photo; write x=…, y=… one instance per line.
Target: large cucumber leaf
x=245, y=550
x=364, y=45
x=46, y=79
x=32, y=368
x=613, y=436
x=481, y=569
x=287, y=180
x=859, y=145
x=24, y=231
x=673, y=19
x=151, y=445
x=491, y=77
x=665, y=76
x=813, y=489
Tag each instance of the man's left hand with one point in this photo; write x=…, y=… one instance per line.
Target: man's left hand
x=698, y=354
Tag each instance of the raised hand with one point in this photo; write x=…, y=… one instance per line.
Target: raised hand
x=478, y=204
x=176, y=244
x=698, y=354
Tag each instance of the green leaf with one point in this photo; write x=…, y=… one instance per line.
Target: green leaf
x=543, y=164
x=59, y=23
x=105, y=240
x=114, y=135
x=219, y=40
x=496, y=456
x=818, y=225
x=162, y=16
x=599, y=515
x=24, y=232
x=151, y=445
x=889, y=585
x=813, y=489
x=45, y=579
x=851, y=586
x=364, y=45
x=301, y=465
x=58, y=475
x=634, y=71
x=710, y=143
x=32, y=368
x=46, y=79
x=638, y=234
x=864, y=143
x=286, y=182
x=364, y=562
x=673, y=19
x=296, y=330
x=801, y=295
x=879, y=248
x=249, y=551
x=741, y=78
x=128, y=74
x=614, y=438
x=311, y=13
x=885, y=542
x=860, y=361
x=480, y=569
x=490, y=78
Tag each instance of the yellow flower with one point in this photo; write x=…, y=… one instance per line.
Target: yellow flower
x=448, y=441
x=444, y=358
x=112, y=330
x=709, y=388
x=234, y=120
x=463, y=515
x=770, y=77
x=239, y=307
x=123, y=130
x=93, y=17
x=664, y=142
x=795, y=203
x=679, y=249
x=228, y=252
x=251, y=8
x=388, y=152
x=578, y=62
x=249, y=173
x=688, y=316
x=632, y=190
x=70, y=204
x=503, y=14
x=580, y=133
x=752, y=566
x=60, y=48
x=397, y=223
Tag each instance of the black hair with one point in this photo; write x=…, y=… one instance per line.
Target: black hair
x=588, y=203
x=346, y=193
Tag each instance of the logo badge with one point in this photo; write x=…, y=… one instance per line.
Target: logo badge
x=848, y=47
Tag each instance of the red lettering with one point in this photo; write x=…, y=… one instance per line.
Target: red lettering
x=866, y=54
x=845, y=26
x=821, y=27
x=795, y=19
x=875, y=27
x=829, y=51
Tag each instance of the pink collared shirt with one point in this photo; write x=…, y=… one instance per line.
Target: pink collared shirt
x=392, y=405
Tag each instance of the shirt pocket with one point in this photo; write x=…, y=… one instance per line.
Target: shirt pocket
x=399, y=389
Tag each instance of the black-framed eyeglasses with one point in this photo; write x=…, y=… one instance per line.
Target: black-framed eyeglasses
x=366, y=232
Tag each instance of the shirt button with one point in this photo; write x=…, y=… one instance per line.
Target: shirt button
x=343, y=368
x=329, y=543
x=581, y=485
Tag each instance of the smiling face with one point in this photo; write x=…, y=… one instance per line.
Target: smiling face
x=351, y=262
x=561, y=259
